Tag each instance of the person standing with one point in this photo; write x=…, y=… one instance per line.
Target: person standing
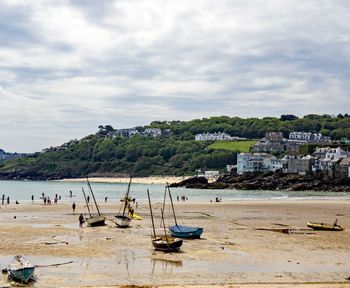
x=81, y=220
x=73, y=207
x=32, y=198
x=8, y=200
x=88, y=199
x=3, y=199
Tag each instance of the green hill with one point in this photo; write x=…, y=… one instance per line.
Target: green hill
x=241, y=146
x=175, y=153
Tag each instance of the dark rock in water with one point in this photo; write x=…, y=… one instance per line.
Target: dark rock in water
x=269, y=181
x=195, y=182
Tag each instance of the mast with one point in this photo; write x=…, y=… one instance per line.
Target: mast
x=150, y=208
x=172, y=204
x=126, y=199
x=163, y=205
x=87, y=204
x=166, y=238
x=93, y=196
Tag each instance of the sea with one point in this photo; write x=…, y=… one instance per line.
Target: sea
x=22, y=191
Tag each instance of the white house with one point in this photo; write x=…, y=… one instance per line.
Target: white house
x=212, y=136
x=257, y=162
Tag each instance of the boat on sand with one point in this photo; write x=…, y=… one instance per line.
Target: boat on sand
x=93, y=220
x=181, y=231
x=20, y=269
x=165, y=243
x=324, y=226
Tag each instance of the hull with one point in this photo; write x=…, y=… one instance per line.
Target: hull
x=122, y=221
x=185, y=231
x=96, y=221
x=325, y=227
x=167, y=244
x=21, y=270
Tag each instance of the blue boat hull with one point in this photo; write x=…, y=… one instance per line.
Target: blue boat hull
x=22, y=275
x=185, y=231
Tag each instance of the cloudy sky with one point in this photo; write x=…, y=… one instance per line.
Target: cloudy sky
x=68, y=66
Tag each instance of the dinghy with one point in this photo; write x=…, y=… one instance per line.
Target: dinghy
x=20, y=269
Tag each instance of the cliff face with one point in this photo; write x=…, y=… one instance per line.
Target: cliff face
x=253, y=181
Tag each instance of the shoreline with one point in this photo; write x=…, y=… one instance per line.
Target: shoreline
x=138, y=180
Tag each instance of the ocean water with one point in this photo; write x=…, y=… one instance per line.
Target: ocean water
x=23, y=190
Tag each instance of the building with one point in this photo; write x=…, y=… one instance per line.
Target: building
x=213, y=136
x=309, y=137
x=153, y=132
x=272, y=142
x=297, y=164
x=257, y=162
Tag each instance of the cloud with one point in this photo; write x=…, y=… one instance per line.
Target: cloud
x=69, y=66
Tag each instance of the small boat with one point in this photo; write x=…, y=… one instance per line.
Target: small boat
x=123, y=220
x=164, y=243
x=325, y=227
x=186, y=231
x=96, y=220
x=167, y=243
x=21, y=269
x=181, y=231
x=93, y=220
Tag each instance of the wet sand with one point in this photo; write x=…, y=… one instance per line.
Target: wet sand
x=244, y=244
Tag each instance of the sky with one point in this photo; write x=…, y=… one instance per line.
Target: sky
x=67, y=67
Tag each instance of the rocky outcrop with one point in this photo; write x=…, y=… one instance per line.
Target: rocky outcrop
x=254, y=181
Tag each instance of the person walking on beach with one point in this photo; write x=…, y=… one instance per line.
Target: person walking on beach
x=3, y=199
x=81, y=220
x=73, y=207
x=88, y=199
x=32, y=198
x=8, y=200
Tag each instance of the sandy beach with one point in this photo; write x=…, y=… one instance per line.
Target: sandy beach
x=244, y=244
x=140, y=180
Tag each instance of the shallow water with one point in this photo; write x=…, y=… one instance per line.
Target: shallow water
x=142, y=266
x=23, y=190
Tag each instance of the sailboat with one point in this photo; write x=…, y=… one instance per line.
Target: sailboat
x=93, y=220
x=166, y=242
x=123, y=220
x=182, y=231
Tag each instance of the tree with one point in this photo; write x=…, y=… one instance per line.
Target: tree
x=288, y=117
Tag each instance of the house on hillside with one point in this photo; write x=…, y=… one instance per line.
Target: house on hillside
x=297, y=164
x=272, y=142
x=257, y=162
x=212, y=136
x=328, y=159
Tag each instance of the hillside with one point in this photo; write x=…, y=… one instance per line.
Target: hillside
x=176, y=153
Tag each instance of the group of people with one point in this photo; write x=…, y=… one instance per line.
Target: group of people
x=3, y=199
x=183, y=198
x=47, y=200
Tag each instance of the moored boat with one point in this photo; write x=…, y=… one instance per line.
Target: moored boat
x=122, y=220
x=325, y=227
x=167, y=243
x=93, y=220
x=96, y=220
x=181, y=231
x=21, y=269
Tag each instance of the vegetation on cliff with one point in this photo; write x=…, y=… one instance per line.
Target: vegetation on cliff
x=175, y=154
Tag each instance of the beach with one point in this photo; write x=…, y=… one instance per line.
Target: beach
x=245, y=244
x=140, y=180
